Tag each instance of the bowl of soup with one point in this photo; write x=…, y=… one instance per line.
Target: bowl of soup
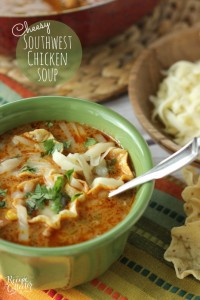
x=59, y=159
x=94, y=21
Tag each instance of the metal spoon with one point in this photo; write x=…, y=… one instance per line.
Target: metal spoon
x=176, y=161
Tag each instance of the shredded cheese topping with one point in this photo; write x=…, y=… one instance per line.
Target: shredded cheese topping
x=52, y=184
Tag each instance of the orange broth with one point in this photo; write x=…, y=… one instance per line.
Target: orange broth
x=96, y=214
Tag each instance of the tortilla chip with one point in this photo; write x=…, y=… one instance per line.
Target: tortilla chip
x=192, y=210
x=184, y=250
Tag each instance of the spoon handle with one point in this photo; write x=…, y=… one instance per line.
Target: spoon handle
x=176, y=161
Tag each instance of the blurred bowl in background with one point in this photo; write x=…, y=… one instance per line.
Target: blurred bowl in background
x=146, y=76
x=93, y=24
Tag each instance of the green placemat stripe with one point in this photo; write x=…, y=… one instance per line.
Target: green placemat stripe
x=145, y=225
x=165, y=209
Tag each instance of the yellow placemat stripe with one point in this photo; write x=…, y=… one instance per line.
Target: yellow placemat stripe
x=34, y=295
x=160, y=279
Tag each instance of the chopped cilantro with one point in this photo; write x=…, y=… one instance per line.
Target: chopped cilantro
x=67, y=144
x=73, y=198
x=2, y=204
x=49, y=124
x=57, y=205
x=90, y=142
x=55, y=195
x=37, y=199
x=68, y=174
x=2, y=192
x=31, y=205
x=51, y=145
x=58, y=184
x=27, y=168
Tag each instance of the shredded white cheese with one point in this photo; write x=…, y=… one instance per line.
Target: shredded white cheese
x=89, y=174
x=177, y=103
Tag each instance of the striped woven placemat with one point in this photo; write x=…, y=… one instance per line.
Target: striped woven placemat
x=141, y=272
x=105, y=68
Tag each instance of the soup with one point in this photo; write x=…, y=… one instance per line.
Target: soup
x=30, y=7
x=54, y=183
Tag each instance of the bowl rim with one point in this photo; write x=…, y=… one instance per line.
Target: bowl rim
x=157, y=135
x=58, y=13
x=144, y=192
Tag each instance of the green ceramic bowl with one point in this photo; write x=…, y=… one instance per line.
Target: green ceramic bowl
x=72, y=265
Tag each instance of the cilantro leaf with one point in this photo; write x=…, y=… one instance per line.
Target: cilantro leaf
x=67, y=144
x=51, y=145
x=38, y=199
x=2, y=204
x=90, y=142
x=2, y=192
x=56, y=196
x=57, y=205
x=49, y=124
x=58, y=184
x=27, y=168
x=68, y=174
x=31, y=205
x=73, y=198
